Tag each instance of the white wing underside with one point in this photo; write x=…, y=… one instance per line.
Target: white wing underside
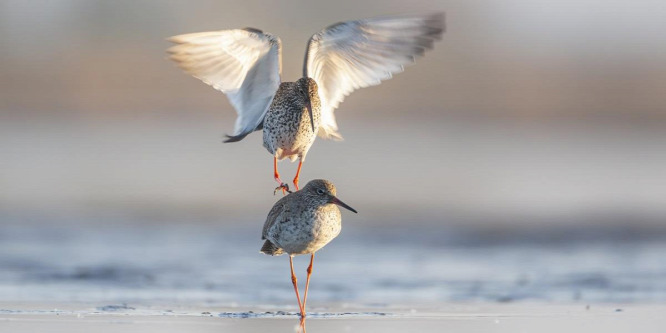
x=355, y=54
x=245, y=64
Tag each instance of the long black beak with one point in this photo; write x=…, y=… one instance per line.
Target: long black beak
x=342, y=204
x=309, y=106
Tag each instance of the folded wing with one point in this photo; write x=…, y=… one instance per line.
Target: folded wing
x=245, y=64
x=355, y=54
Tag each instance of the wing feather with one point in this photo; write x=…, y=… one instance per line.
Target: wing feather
x=351, y=55
x=245, y=64
x=274, y=216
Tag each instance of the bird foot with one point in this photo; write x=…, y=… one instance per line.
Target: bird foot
x=284, y=187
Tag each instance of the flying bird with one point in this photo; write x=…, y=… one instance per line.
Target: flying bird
x=246, y=65
x=302, y=223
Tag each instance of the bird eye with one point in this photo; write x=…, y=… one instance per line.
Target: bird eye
x=320, y=191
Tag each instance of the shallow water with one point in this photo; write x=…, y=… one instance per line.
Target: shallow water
x=214, y=265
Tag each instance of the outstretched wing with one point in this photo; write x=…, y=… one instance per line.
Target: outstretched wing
x=245, y=64
x=355, y=54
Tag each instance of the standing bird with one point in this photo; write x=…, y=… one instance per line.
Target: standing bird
x=302, y=223
x=246, y=65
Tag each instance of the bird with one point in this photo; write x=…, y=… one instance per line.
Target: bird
x=246, y=65
x=301, y=223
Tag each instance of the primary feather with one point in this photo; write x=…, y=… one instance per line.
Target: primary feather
x=355, y=54
x=245, y=64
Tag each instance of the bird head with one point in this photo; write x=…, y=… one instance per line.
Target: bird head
x=323, y=191
x=307, y=88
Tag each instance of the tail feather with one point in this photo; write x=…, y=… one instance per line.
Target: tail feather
x=270, y=249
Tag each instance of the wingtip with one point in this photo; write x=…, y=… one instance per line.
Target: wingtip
x=229, y=138
x=176, y=39
x=194, y=37
x=234, y=138
x=254, y=30
x=436, y=24
x=440, y=21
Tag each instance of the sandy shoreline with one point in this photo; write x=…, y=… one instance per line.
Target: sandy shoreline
x=34, y=317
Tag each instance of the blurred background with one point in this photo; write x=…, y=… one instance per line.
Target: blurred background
x=532, y=123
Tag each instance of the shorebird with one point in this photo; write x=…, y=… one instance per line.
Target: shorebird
x=302, y=223
x=246, y=65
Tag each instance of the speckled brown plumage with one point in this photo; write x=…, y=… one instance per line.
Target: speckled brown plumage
x=304, y=221
x=288, y=130
x=301, y=223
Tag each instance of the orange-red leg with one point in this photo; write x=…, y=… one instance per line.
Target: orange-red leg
x=307, y=281
x=284, y=187
x=305, y=295
x=303, y=324
x=276, y=174
x=298, y=172
x=294, y=281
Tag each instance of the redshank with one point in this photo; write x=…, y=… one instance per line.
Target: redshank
x=246, y=65
x=302, y=223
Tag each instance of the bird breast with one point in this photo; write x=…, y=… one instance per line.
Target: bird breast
x=287, y=128
x=309, y=231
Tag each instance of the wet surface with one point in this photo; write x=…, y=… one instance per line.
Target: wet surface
x=209, y=265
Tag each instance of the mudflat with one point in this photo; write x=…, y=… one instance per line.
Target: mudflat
x=71, y=318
